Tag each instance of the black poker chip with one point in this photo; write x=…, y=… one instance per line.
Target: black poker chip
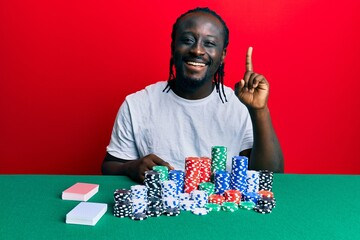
x=172, y=212
x=139, y=216
x=154, y=211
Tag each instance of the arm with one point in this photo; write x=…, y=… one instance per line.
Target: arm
x=134, y=169
x=253, y=91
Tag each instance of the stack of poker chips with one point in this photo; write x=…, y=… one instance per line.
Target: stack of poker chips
x=153, y=184
x=169, y=195
x=265, y=180
x=185, y=202
x=205, y=169
x=208, y=187
x=239, y=173
x=218, y=158
x=250, y=197
x=192, y=174
x=139, y=202
x=217, y=199
x=252, y=181
x=266, y=202
x=154, y=201
x=178, y=177
x=163, y=170
x=232, y=195
x=200, y=198
x=139, y=198
x=222, y=181
x=122, y=206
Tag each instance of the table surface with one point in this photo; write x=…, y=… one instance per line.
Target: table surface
x=308, y=207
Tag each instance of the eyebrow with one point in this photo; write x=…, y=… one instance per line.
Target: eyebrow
x=188, y=32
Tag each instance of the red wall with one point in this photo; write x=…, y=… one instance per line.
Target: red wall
x=66, y=66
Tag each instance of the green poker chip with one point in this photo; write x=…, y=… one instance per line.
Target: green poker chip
x=229, y=207
x=213, y=207
x=247, y=205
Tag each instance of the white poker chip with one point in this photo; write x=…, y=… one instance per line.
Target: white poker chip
x=200, y=211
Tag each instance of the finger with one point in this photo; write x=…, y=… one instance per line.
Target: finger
x=159, y=161
x=246, y=79
x=257, y=80
x=249, y=66
x=251, y=82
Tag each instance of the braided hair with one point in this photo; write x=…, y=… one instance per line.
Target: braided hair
x=220, y=73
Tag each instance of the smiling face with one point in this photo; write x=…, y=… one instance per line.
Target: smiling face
x=198, y=49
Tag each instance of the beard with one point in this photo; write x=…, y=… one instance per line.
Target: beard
x=191, y=84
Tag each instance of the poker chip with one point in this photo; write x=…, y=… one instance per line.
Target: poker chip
x=154, y=212
x=250, y=196
x=247, y=205
x=239, y=173
x=263, y=210
x=139, y=216
x=218, y=158
x=208, y=187
x=122, y=195
x=163, y=170
x=153, y=183
x=192, y=174
x=265, y=180
x=213, y=207
x=222, y=181
x=200, y=211
x=265, y=193
x=200, y=198
x=187, y=205
x=205, y=169
x=229, y=207
x=252, y=181
x=232, y=195
x=172, y=212
x=178, y=177
x=216, y=198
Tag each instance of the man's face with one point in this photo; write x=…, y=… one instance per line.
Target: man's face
x=198, y=49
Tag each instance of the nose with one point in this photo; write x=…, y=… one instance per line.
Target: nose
x=197, y=49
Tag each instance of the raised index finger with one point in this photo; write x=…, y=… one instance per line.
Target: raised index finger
x=249, y=66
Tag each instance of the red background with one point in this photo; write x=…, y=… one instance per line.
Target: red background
x=66, y=66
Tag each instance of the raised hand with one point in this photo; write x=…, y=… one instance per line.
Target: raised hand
x=253, y=89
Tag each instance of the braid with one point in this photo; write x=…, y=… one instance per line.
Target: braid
x=171, y=75
x=220, y=73
x=219, y=81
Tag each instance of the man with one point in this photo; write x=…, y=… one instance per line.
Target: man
x=193, y=110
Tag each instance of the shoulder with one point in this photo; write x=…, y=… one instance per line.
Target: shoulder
x=151, y=91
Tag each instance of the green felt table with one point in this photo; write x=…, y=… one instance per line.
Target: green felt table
x=308, y=207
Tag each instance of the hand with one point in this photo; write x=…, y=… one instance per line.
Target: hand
x=137, y=168
x=253, y=90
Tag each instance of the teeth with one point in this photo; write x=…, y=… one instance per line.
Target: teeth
x=196, y=64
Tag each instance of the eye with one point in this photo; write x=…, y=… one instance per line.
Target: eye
x=187, y=40
x=210, y=44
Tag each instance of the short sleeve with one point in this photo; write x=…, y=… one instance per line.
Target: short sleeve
x=122, y=142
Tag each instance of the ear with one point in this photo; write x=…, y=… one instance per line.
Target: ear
x=223, y=55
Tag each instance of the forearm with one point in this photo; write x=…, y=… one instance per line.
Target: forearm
x=266, y=153
x=115, y=166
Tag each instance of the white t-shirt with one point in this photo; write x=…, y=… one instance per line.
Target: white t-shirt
x=171, y=127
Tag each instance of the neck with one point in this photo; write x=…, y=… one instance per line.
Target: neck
x=192, y=92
